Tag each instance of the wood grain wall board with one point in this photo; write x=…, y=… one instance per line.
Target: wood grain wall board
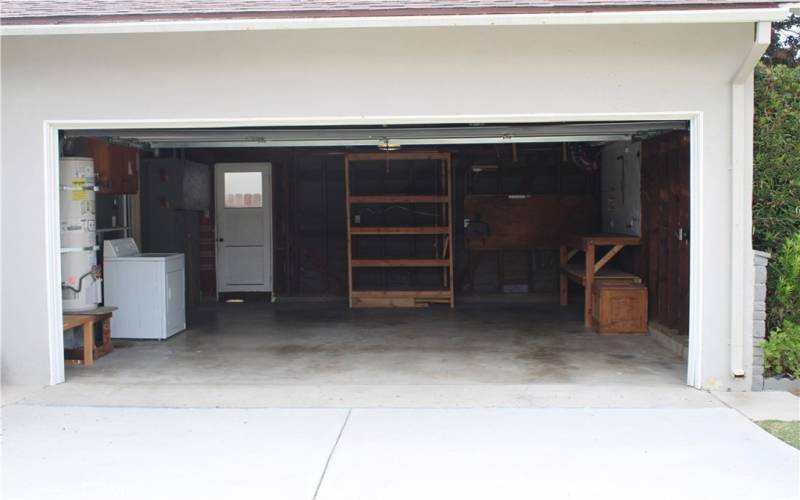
x=535, y=222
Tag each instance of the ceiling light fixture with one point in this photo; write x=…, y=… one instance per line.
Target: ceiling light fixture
x=385, y=145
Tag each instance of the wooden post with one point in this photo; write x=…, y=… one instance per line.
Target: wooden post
x=587, y=291
x=562, y=277
x=450, y=238
x=88, y=342
x=107, y=346
x=349, y=235
x=442, y=210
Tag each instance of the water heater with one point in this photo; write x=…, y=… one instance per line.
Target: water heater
x=80, y=275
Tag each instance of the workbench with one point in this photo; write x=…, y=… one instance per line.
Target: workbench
x=590, y=270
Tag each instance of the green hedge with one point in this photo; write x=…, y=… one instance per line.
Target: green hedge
x=776, y=141
x=776, y=185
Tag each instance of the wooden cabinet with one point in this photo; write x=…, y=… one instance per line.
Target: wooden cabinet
x=619, y=308
x=116, y=167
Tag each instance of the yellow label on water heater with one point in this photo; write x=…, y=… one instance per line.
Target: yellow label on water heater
x=79, y=194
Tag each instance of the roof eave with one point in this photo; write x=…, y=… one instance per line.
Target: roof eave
x=646, y=16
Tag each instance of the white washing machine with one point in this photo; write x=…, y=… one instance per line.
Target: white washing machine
x=148, y=289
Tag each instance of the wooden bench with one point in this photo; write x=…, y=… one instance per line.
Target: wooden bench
x=86, y=320
x=591, y=269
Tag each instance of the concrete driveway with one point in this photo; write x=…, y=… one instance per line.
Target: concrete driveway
x=384, y=453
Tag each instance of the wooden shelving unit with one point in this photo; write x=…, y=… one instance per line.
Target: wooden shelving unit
x=444, y=206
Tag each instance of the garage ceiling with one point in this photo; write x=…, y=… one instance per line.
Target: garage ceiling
x=381, y=136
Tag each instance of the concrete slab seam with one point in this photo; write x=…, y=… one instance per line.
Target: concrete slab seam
x=330, y=455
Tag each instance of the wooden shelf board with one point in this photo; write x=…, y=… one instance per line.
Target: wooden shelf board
x=577, y=272
x=398, y=230
x=399, y=198
x=400, y=262
x=599, y=239
x=427, y=294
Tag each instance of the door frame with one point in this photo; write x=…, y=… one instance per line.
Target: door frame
x=267, y=206
x=51, y=129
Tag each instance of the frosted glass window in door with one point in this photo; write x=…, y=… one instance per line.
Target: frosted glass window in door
x=243, y=189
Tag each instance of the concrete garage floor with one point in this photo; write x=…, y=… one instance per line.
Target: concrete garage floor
x=325, y=355
x=325, y=343
x=315, y=402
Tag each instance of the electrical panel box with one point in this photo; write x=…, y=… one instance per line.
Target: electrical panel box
x=621, y=174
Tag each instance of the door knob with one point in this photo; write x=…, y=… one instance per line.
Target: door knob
x=220, y=239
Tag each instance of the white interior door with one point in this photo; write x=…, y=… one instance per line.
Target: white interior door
x=244, y=226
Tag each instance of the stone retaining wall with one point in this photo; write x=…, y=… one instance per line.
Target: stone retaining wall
x=759, y=318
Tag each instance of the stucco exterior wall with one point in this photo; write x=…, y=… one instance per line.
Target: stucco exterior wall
x=542, y=71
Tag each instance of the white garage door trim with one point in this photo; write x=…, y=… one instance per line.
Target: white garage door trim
x=52, y=127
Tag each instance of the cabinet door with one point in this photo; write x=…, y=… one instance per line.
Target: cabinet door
x=176, y=316
x=116, y=167
x=124, y=170
x=100, y=152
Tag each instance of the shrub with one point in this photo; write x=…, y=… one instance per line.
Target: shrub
x=782, y=351
x=784, y=301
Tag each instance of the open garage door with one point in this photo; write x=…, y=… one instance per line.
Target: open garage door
x=556, y=243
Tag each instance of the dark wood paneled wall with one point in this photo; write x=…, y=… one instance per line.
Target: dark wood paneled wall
x=309, y=216
x=538, y=170
x=312, y=218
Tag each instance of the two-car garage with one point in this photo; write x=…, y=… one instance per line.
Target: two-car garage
x=467, y=167
x=393, y=255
